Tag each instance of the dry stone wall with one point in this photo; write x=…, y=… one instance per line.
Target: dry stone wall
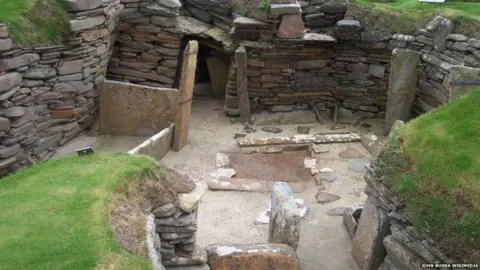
x=440, y=49
x=384, y=238
x=49, y=94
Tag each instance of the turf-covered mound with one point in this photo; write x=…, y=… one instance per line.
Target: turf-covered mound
x=57, y=215
x=433, y=165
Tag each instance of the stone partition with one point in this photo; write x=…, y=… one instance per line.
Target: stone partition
x=134, y=110
x=50, y=94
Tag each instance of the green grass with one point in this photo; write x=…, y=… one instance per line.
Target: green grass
x=56, y=215
x=406, y=16
x=435, y=169
x=35, y=22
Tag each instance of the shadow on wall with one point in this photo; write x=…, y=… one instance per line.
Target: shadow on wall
x=213, y=63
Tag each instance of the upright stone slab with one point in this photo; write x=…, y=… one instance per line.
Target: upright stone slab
x=252, y=257
x=284, y=224
x=367, y=247
x=402, y=86
x=187, y=82
x=242, y=84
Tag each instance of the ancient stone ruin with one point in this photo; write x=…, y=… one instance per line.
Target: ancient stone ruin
x=134, y=64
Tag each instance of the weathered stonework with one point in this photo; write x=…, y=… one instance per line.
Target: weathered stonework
x=48, y=95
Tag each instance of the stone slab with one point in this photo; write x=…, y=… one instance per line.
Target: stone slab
x=252, y=185
x=252, y=257
x=156, y=146
x=135, y=110
x=367, y=247
x=285, y=118
x=284, y=226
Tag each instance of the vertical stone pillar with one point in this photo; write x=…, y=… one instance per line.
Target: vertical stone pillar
x=402, y=86
x=187, y=82
x=242, y=84
x=284, y=224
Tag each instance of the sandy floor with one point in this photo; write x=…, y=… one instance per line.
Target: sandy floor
x=99, y=143
x=227, y=217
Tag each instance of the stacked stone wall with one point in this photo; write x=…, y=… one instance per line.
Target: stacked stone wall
x=440, y=49
x=49, y=94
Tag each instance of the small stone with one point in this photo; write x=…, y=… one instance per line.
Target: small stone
x=39, y=73
x=199, y=257
x=249, y=129
x=365, y=125
x=18, y=62
x=189, y=201
x=319, y=149
x=303, y=129
x=358, y=165
x=326, y=177
x=314, y=170
x=165, y=210
x=222, y=160
x=87, y=23
x=338, y=126
x=9, y=81
x=5, y=44
x=337, y=211
x=222, y=173
x=6, y=152
x=272, y=129
x=170, y=3
x=69, y=67
x=326, y=170
x=239, y=136
x=309, y=162
x=13, y=111
x=291, y=26
x=324, y=197
x=82, y=5
x=350, y=153
x=357, y=192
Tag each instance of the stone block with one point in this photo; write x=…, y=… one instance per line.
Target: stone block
x=9, y=81
x=82, y=5
x=5, y=44
x=402, y=86
x=367, y=247
x=284, y=226
x=377, y=71
x=18, y=61
x=69, y=67
x=401, y=257
x=39, y=73
x=252, y=257
x=156, y=146
x=280, y=9
x=291, y=26
x=87, y=23
x=135, y=110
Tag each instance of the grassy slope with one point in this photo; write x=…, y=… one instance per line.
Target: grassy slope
x=406, y=16
x=440, y=181
x=35, y=22
x=56, y=215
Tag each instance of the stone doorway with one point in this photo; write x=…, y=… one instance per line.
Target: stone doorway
x=211, y=75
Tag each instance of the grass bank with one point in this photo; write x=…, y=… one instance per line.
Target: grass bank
x=56, y=215
x=35, y=22
x=434, y=166
x=406, y=16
